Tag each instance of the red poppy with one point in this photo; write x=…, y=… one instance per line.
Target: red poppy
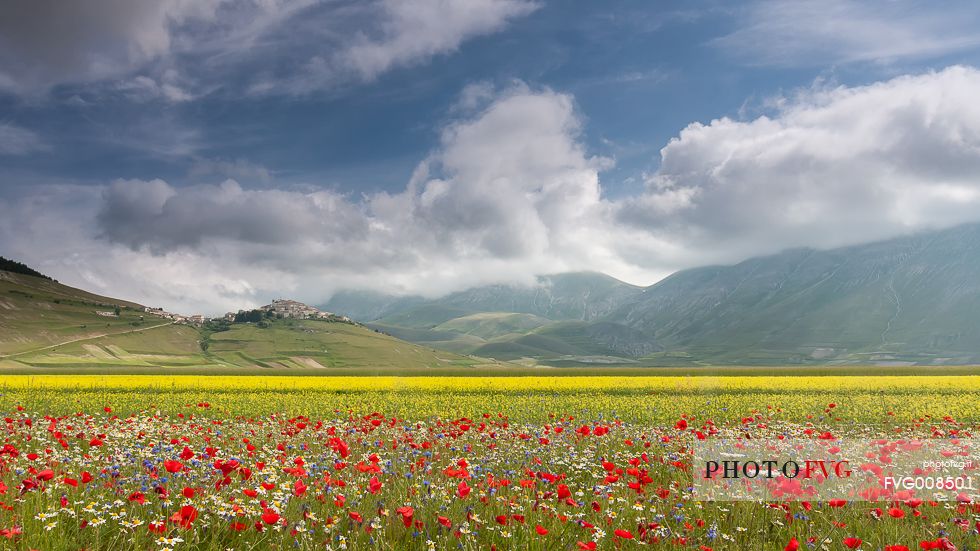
x=299, y=488
x=407, y=513
x=157, y=527
x=188, y=514
x=374, y=485
x=270, y=517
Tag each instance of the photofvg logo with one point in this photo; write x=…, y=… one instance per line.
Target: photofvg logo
x=828, y=469
x=771, y=468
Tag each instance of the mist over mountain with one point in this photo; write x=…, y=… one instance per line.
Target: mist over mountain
x=913, y=299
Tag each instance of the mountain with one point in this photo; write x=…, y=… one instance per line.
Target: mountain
x=572, y=296
x=45, y=324
x=510, y=321
x=910, y=300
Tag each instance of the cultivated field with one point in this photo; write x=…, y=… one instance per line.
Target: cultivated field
x=188, y=462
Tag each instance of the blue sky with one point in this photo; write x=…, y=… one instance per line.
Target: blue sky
x=380, y=133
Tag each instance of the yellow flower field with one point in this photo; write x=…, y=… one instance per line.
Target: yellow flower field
x=644, y=398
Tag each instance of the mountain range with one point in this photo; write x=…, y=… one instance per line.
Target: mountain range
x=909, y=300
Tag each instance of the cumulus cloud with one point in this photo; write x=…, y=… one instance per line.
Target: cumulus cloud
x=157, y=215
x=512, y=191
x=510, y=188
x=831, y=167
x=790, y=33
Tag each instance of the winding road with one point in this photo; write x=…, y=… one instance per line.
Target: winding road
x=89, y=338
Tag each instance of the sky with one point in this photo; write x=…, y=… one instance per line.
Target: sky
x=210, y=155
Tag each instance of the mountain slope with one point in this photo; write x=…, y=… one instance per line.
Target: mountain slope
x=571, y=296
x=507, y=321
x=36, y=311
x=913, y=299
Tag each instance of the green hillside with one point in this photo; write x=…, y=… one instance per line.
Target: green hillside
x=47, y=325
x=509, y=322
x=493, y=325
x=572, y=296
x=36, y=312
x=909, y=300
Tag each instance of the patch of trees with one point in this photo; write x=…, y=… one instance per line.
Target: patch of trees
x=210, y=327
x=20, y=268
x=254, y=316
x=216, y=325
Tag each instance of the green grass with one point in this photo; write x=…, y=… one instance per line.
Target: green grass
x=493, y=325
x=36, y=312
x=294, y=345
x=331, y=344
x=49, y=326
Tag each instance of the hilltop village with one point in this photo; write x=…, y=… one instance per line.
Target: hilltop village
x=278, y=309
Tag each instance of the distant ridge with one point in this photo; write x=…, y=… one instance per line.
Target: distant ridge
x=909, y=300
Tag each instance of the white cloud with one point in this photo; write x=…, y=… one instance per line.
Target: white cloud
x=416, y=30
x=177, y=50
x=512, y=192
x=167, y=88
x=791, y=33
x=831, y=167
x=47, y=42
